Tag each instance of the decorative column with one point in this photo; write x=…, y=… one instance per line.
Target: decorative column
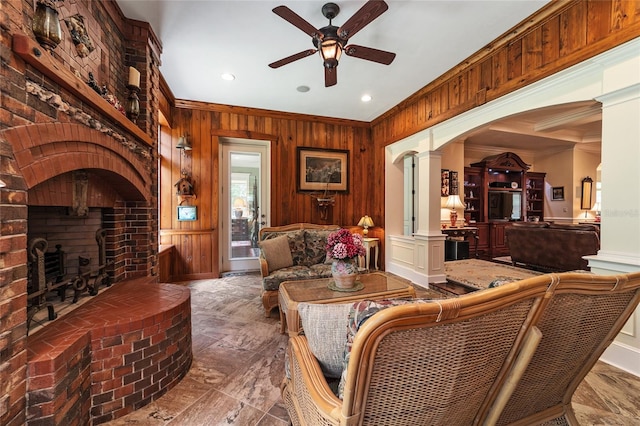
x=429, y=239
x=620, y=223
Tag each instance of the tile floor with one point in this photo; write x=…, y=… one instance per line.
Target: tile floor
x=239, y=358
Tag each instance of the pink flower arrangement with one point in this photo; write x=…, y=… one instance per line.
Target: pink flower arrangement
x=342, y=244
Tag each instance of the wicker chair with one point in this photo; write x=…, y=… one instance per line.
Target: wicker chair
x=458, y=361
x=578, y=323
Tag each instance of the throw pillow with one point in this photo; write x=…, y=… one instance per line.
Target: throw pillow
x=359, y=313
x=297, y=246
x=325, y=327
x=277, y=253
x=315, y=241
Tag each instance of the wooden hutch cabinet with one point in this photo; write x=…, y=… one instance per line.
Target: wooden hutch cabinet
x=497, y=192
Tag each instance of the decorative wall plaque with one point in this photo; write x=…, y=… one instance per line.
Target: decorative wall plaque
x=79, y=35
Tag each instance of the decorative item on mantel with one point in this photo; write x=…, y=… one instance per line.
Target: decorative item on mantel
x=133, y=102
x=366, y=222
x=344, y=248
x=79, y=35
x=46, y=25
x=453, y=203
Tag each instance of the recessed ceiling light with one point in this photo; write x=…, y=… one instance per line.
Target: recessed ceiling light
x=303, y=89
x=228, y=76
x=365, y=98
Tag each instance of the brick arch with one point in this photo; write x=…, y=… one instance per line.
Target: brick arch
x=43, y=151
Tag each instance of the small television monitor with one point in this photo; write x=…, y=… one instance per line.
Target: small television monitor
x=505, y=205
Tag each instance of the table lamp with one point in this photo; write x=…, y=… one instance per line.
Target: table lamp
x=453, y=203
x=596, y=208
x=365, y=222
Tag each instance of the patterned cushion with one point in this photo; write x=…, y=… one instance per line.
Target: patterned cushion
x=325, y=327
x=276, y=252
x=358, y=314
x=498, y=281
x=315, y=246
x=297, y=272
x=296, y=243
x=322, y=270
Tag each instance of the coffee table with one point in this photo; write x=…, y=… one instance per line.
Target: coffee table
x=376, y=286
x=465, y=276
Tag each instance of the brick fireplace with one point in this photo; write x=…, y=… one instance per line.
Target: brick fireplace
x=70, y=162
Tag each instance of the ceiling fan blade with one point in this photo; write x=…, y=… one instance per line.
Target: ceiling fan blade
x=293, y=18
x=330, y=76
x=367, y=13
x=370, y=54
x=295, y=57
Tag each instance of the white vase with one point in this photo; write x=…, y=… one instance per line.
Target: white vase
x=344, y=272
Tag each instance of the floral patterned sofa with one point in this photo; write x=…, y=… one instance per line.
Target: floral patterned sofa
x=291, y=252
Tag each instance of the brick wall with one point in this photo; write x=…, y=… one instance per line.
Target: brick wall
x=47, y=133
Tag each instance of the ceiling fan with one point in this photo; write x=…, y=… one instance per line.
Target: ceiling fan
x=331, y=41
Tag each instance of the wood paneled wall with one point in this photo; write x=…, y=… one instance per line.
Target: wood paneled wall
x=560, y=35
x=197, y=242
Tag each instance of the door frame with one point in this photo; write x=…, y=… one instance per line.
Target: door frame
x=230, y=144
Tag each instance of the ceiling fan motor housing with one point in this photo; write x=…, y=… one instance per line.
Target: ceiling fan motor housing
x=330, y=10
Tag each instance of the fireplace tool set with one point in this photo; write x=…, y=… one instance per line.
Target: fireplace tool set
x=47, y=274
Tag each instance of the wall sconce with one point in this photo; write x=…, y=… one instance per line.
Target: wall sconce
x=133, y=102
x=324, y=204
x=366, y=222
x=2, y=184
x=453, y=203
x=46, y=25
x=585, y=201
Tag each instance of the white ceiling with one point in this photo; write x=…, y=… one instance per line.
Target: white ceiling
x=203, y=39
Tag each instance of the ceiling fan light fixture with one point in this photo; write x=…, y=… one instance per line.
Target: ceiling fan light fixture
x=330, y=52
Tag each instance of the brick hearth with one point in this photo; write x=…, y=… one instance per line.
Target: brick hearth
x=114, y=354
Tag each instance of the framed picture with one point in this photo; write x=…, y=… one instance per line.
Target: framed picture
x=323, y=170
x=453, y=183
x=444, y=183
x=186, y=213
x=557, y=193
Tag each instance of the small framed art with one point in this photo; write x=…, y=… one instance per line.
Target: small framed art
x=186, y=213
x=557, y=193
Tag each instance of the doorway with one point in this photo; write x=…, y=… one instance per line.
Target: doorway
x=244, y=199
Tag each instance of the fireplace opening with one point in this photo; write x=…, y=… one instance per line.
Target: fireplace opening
x=67, y=261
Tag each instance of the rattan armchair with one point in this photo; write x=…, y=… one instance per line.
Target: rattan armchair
x=475, y=359
x=578, y=323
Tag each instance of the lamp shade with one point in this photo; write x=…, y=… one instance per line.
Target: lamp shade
x=330, y=51
x=365, y=221
x=596, y=207
x=453, y=202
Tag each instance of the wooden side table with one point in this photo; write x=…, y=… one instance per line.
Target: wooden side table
x=370, y=243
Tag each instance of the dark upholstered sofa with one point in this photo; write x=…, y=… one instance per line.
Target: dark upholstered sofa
x=552, y=247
